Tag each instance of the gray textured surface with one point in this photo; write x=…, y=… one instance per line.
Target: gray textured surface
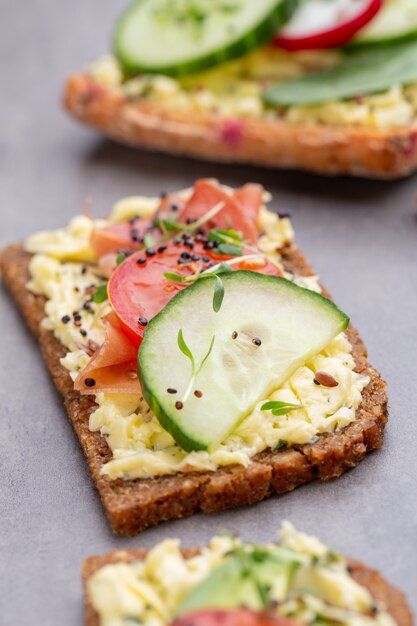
x=361, y=237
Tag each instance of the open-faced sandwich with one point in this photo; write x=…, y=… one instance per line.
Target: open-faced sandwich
x=200, y=364
x=269, y=82
x=232, y=583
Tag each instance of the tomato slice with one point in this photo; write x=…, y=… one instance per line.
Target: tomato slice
x=138, y=289
x=231, y=617
x=320, y=24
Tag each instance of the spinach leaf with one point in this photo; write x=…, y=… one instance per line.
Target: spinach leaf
x=363, y=72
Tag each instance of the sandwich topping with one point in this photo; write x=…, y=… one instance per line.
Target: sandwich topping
x=156, y=436
x=300, y=578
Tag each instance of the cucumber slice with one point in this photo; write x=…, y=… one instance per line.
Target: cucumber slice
x=363, y=72
x=397, y=20
x=292, y=324
x=177, y=37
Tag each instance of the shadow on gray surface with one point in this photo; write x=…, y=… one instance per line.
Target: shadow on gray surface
x=107, y=153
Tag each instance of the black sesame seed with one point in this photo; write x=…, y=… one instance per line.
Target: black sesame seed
x=216, y=244
x=174, y=206
x=65, y=319
x=143, y=321
x=234, y=334
x=256, y=341
x=177, y=240
x=195, y=257
x=134, y=234
x=83, y=332
x=198, y=393
x=76, y=316
x=150, y=252
x=181, y=261
x=83, y=269
x=89, y=382
x=189, y=244
x=171, y=390
x=162, y=249
x=185, y=255
x=141, y=260
x=178, y=405
x=87, y=304
x=201, y=231
x=189, y=220
x=209, y=245
x=206, y=259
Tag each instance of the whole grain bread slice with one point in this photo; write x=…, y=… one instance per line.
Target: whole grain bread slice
x=320, y=148
x=133, y=505
x=381, y=591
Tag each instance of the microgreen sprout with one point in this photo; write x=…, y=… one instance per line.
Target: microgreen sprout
x=280, y=408
x=100, y=294
x=222, y=268
x=195, y=370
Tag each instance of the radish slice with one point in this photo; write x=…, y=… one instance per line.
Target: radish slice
x=323, y=24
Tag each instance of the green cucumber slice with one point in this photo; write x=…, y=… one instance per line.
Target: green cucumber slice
x=363, y=72
x=397, y=20
x=292, y=323
x=177, y=37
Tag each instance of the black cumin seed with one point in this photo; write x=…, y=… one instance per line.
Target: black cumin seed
x=89, y=382
x=65, y=319
x=171, y=390
x=178, y=405
x=234, y=334
x=141, y=260
x=256, y=341
x=162, y=249
x=83, y=332
x=143, y=321
x=150, y=252
x=198, y=393
x=195, y=257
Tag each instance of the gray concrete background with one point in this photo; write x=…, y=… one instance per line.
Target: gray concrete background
x=361, y=237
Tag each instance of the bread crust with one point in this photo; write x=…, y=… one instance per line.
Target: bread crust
x=318, y=148
x=133, y=505
x=381, y=591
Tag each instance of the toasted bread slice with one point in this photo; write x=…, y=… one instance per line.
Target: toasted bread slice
x=381, y=591
x=330, y=150
x=133, y=505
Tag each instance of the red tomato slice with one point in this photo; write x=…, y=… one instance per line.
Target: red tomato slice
x=239, y=212
x=303, y=32
x=231, y=617
x=138, y=289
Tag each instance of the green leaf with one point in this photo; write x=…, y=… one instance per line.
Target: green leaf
x=169, y=225
x=224, y=236
x=184, y=348
x=207, y=355
x=100, y=294
x=176, y=278
x=281, y=445
x=362, y=72
x=120, y=258
x=230, y=249
x=149, y=240
x=223, y=268
x=280, y=408
x=218, y=294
